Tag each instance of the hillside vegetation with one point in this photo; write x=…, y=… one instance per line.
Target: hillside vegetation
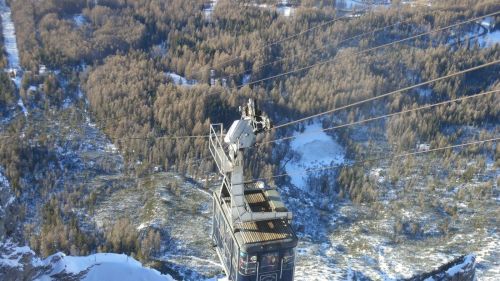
x=118, y=54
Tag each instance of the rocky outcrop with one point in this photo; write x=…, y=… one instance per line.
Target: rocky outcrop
x=19, y=263
x=460, y=269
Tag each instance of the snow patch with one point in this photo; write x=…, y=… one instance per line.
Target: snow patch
x=10, y=43
x=459, y=268
x=20, y=103
x=111, y=148
x=180, y=80
x=246, y=79
x=79, y=20
x=490, y=39
x=102, y=266
x=315, y=149
x=4, y=182
x=285, y=9
x=9, y=35
x=12, y=257
x=209, y=8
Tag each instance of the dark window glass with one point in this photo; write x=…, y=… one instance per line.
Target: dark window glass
x=269, y=262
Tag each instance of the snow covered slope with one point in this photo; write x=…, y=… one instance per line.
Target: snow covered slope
x=101, y=266
x=17, y=261
x=314, y=149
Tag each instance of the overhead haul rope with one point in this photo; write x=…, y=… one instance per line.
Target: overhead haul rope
x=356, y=103
x=345, y=106
x=368, y=50
x=333, y=59
x=172, y=137
x=357, y=53
x=427, y=106
x=394, y=157
x=322, y=47
x=295, y=35
x=388, y=94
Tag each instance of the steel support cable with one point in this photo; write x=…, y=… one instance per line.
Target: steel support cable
x=394, y=157
x=355, y=54
x=297, y=35
x=320, y=48
x=369, y=49
x=333, y=59
x=388, y=94
x=427, y=106
x=333, y=110
x=288, y=38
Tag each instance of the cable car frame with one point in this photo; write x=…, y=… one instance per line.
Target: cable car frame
x=251, y=227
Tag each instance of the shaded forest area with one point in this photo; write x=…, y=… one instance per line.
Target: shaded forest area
x=119, y=52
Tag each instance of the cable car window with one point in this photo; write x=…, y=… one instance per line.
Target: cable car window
x=288, y=259
x=269, y=262
x=248, y=264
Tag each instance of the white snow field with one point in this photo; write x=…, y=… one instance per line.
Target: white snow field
x=285, y=9
x=96, y=267
x=102, y=266
x=9, y=35
x=315, y=149
x=209, y=8
x=180, y=80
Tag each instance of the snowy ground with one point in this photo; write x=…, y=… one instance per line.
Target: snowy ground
x=102, y=266
x=490, y=39
x=209, y=8
x=96, y=267
x=285, y=9
x=9, y=35
x=314, y=148
x=180, y=80
x=79, y=20
x=350, y=5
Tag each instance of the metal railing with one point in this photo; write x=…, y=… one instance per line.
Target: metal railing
x=217, y=149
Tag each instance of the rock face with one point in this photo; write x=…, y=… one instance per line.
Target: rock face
x=460, y=269
x=18, y=263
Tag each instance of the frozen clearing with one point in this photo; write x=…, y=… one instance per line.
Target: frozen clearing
x=209, y=8
x=315, y=149
x=9, y=35
x=285, y=9
x=79, y=20
x=180, y=80
x=490, y=39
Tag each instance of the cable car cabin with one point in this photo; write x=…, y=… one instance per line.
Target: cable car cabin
x=251, y=226
x=259, y=250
